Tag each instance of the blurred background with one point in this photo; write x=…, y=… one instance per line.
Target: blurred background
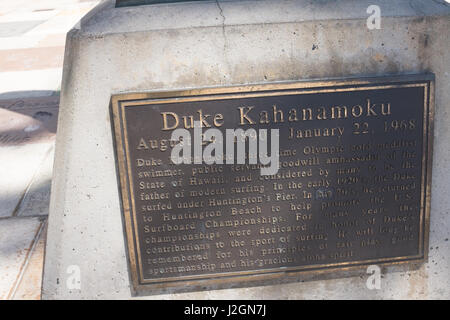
x=32, y=40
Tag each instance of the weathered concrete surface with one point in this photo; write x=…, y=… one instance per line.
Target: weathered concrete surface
x=17, y=241
x=37, y=197
x=27, y=134
x=18, y=166
x=205, y=44
x=29, y=288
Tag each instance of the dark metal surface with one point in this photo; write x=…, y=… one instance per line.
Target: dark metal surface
x=352, y=190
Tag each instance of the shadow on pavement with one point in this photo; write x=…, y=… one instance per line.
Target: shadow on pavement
x=30, y=118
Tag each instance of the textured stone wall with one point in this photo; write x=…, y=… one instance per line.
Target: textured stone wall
x=204, y=44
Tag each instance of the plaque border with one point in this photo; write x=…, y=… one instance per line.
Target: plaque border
x=120, y=101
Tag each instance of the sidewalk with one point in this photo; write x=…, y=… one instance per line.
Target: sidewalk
x=32, y=39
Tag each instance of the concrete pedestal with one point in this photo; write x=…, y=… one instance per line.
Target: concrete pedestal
x=204, y=44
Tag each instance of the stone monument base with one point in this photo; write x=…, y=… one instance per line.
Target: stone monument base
x=212, y=44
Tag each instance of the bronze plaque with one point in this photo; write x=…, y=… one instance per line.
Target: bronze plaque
x=352, y=189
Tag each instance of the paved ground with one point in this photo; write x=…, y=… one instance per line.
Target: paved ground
x=32, y=37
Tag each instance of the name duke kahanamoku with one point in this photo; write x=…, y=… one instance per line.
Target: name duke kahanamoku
x=249, y=116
